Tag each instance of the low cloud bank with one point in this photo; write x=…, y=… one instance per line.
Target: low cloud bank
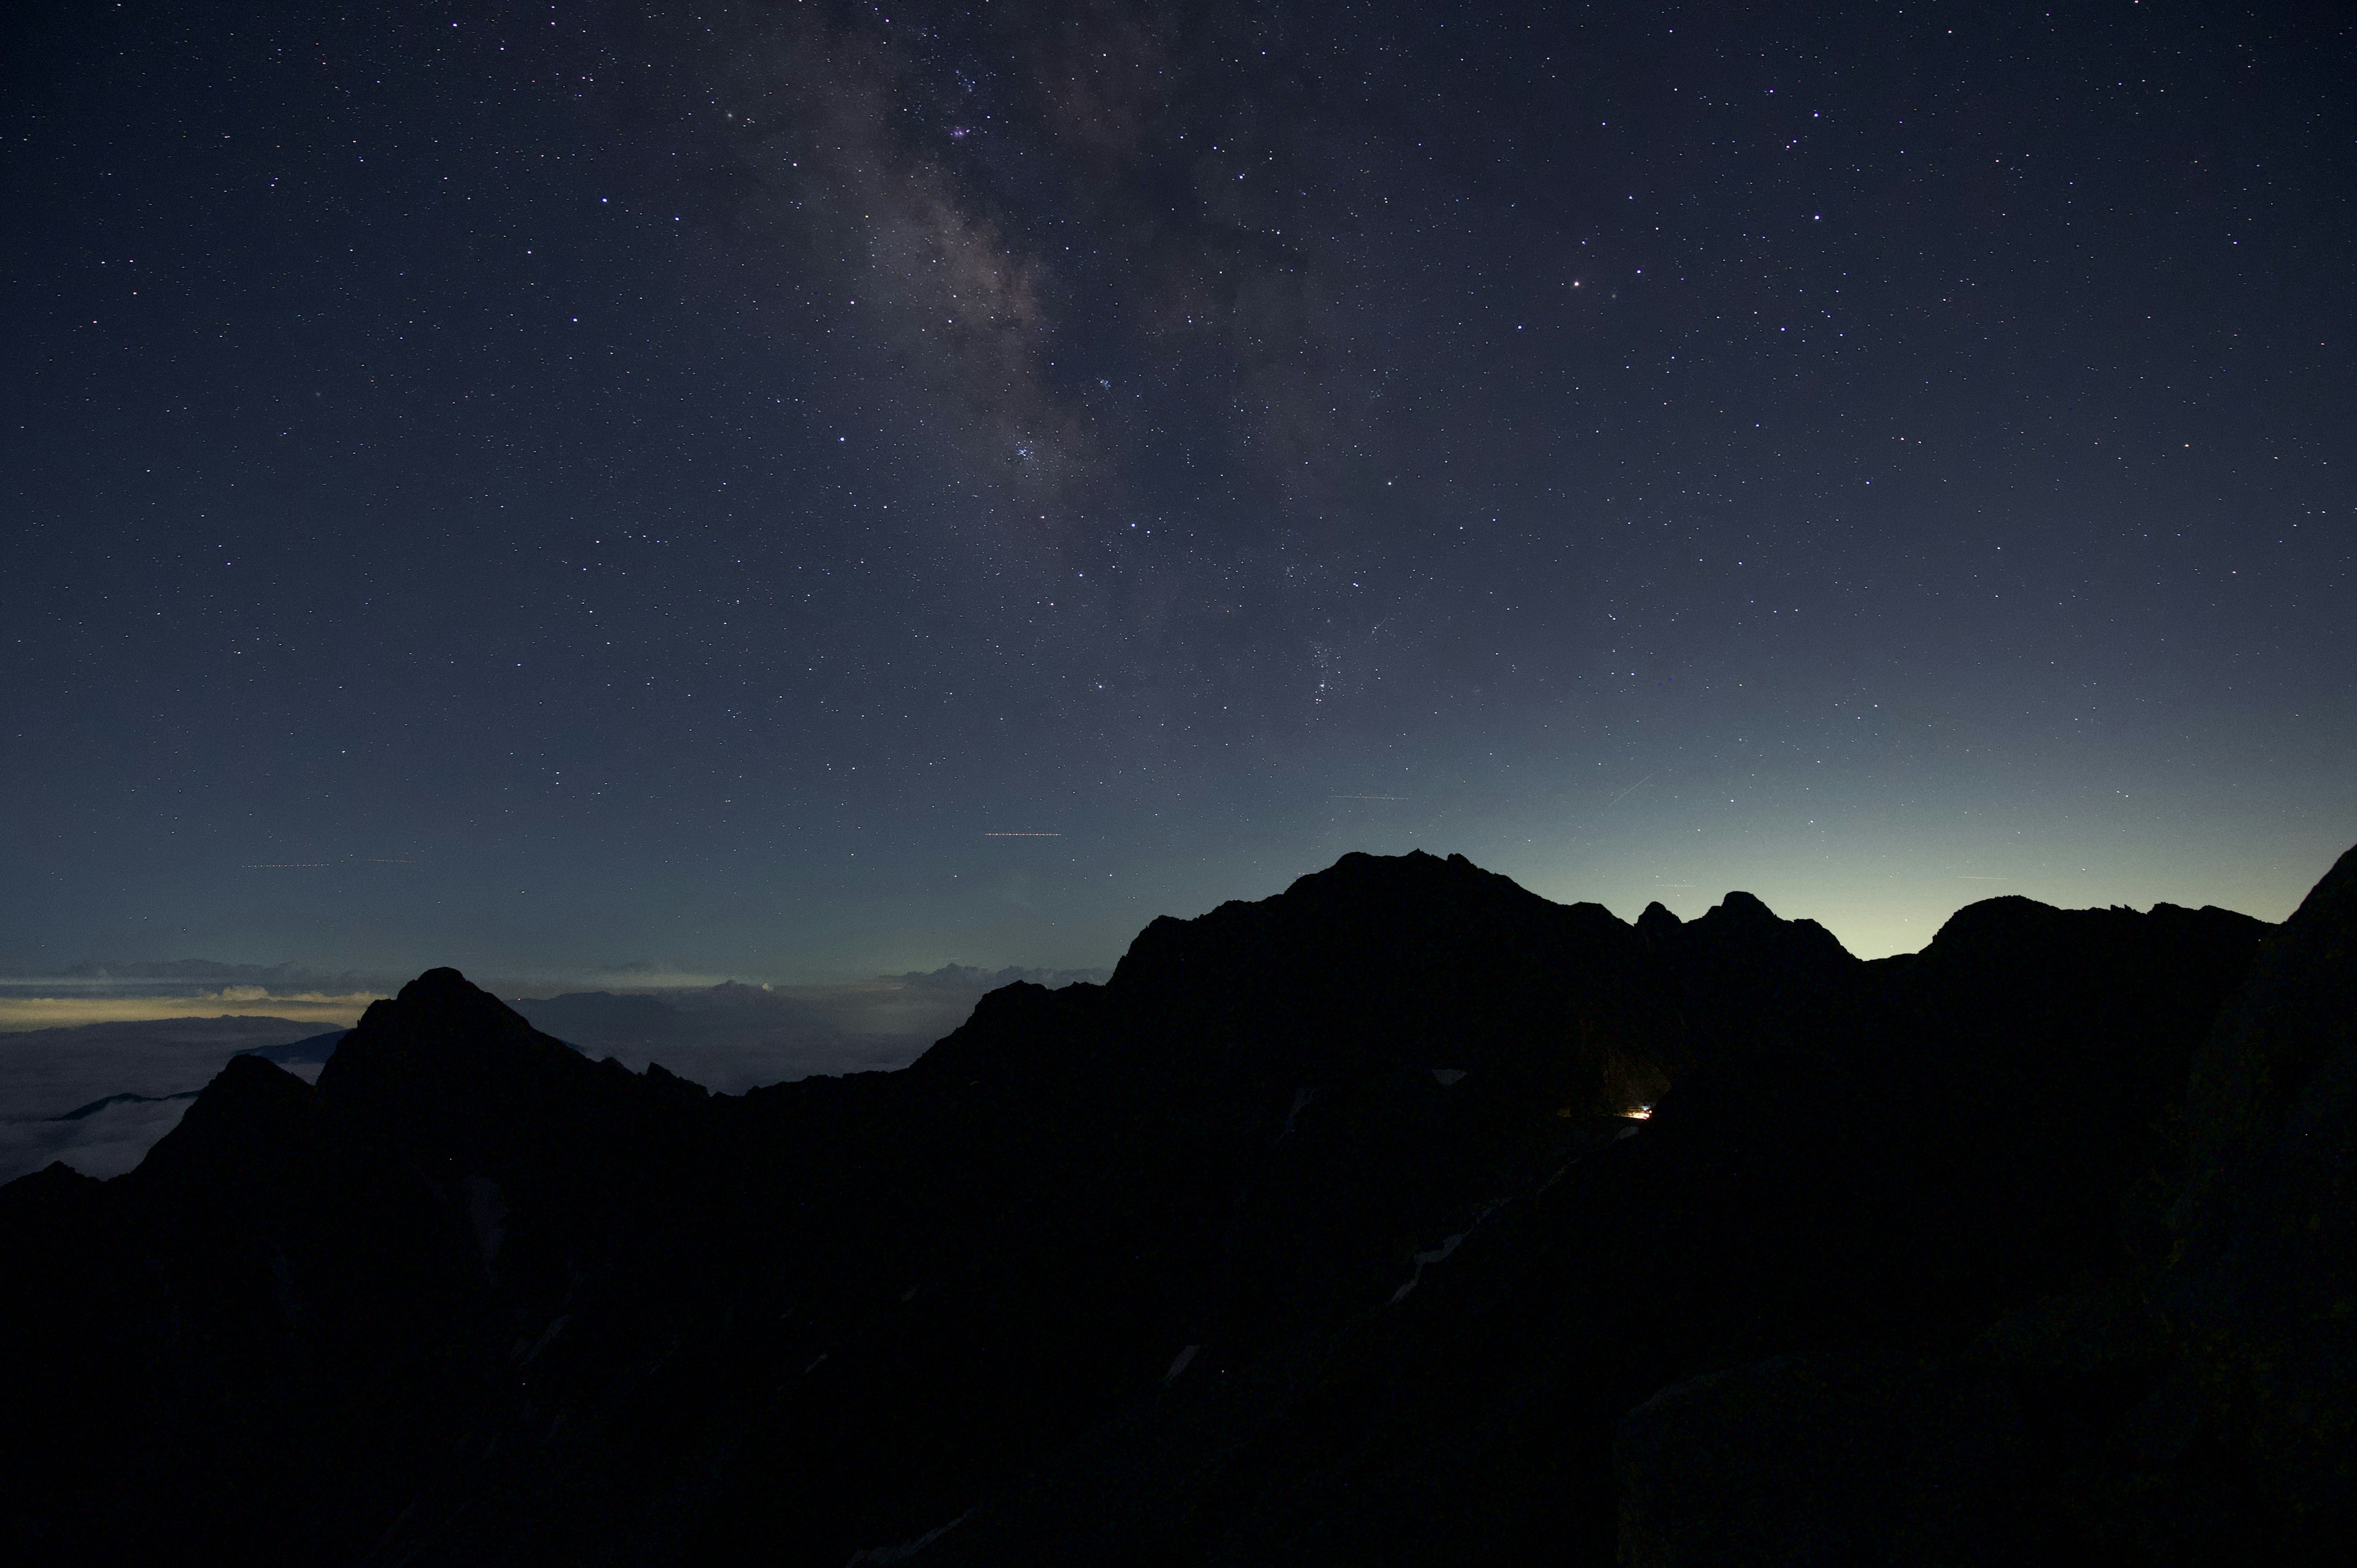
x=315, y=1010
x=58, y=996
x=103, y=1145
x=46, y=1074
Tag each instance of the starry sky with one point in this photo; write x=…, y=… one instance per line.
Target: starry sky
x=807, y=490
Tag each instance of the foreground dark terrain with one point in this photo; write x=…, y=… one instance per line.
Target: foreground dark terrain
x=1320, y=1234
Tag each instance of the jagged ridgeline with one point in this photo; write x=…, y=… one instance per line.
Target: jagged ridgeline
x=1323, y=1232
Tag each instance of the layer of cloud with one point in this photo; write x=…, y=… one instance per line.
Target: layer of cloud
x=104, y=1144
x=314, y=1010
x=47, y=1074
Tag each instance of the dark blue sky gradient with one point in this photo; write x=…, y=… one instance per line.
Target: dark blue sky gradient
x=548, y=488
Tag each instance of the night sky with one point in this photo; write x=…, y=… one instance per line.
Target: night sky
x=553, y=488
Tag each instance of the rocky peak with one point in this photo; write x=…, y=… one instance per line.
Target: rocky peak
x=254, y=1111
x=445, y=1063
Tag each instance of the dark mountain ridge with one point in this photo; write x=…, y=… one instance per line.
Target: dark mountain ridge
x=1316, y=1232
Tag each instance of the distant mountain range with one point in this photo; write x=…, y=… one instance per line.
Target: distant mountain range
x=1405, y=1217
x=732, y=1036
x=182, y=975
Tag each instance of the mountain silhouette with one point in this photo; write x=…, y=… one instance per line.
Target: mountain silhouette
x=1403, y=1216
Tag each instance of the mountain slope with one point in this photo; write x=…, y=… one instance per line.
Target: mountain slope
x=1314, y=1234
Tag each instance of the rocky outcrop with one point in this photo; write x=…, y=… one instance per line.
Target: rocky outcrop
x=1889, y=1457
x=1844, y=1168
x=2262, y=1294
x=2190, y=1397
